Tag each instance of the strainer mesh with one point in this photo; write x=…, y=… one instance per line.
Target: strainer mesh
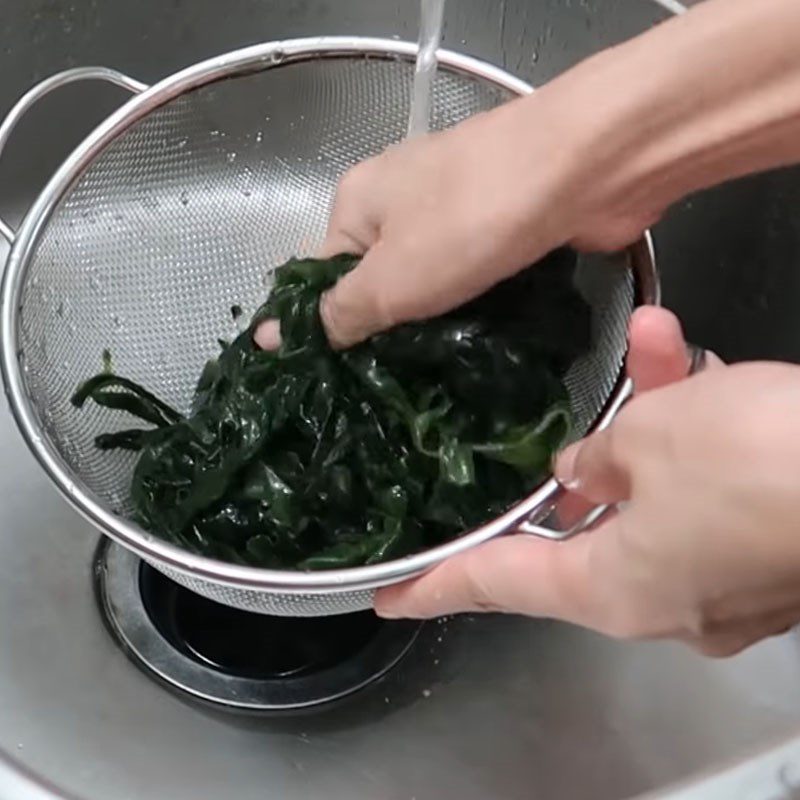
x=183, y=215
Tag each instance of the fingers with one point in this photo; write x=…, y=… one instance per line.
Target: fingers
x=353, y=223
x=525, y=575
x=657, y=355
x=519, y=574
x=597, y=468
x=268, y=335
x=368, y=299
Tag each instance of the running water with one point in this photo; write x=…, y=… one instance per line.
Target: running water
x=430, y=35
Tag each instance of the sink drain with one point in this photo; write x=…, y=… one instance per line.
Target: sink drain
x=236, y=658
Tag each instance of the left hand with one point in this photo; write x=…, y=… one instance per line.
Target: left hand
x=707, y=549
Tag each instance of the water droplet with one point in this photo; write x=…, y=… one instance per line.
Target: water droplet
x=247, y=181
x=94, y=283
x=231, y=157
x=183, y=142
x=60, y=310
x=214, y=133
x=426, y=692
x=116, y=319
x=276, y=56
x=534, y=57
x=260, y=137
x=184, y=198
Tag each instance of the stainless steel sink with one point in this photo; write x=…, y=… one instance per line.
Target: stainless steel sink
x=481, y=707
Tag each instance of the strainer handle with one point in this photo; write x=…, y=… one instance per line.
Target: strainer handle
x=48, y=85
x=697, y=363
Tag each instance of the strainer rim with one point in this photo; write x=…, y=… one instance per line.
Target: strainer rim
x=255, y=58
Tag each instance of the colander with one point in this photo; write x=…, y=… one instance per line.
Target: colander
x=176, y=208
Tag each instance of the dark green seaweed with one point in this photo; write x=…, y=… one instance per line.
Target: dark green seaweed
x=313, y=459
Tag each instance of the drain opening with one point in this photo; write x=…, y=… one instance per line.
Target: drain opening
x=246, y=644
x=239, y=659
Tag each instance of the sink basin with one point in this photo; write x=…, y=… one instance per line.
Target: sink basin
x=481, y=707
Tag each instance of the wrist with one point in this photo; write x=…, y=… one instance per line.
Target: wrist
x=641, y=125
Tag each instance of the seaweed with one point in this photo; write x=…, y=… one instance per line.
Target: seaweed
x=312, y=458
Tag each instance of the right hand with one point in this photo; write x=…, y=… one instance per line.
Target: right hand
x=590, y=160
x=442, y=218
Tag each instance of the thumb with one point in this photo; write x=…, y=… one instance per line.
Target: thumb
x=657, y=353
x=518, y=573
x=657, y=356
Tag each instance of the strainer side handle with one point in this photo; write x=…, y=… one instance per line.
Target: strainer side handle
x=533, y=525
x=37, y=92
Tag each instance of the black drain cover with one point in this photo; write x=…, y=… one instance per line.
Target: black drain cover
x=247, y=644
x=240, y=659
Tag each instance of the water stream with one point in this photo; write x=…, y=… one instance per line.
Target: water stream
x=430, y=35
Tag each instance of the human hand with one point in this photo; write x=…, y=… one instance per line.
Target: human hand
x=442, y=218
x=590, y=160
x=706, y=550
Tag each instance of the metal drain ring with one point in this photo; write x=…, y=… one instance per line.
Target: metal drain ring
x=116, y=578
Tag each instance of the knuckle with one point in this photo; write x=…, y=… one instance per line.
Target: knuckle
x=720, y=647
x=386, y=311
x=704, y=620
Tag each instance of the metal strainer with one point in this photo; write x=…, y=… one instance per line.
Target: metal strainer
x=173, y=210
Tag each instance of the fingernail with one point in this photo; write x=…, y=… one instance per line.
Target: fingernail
x=565, y=467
